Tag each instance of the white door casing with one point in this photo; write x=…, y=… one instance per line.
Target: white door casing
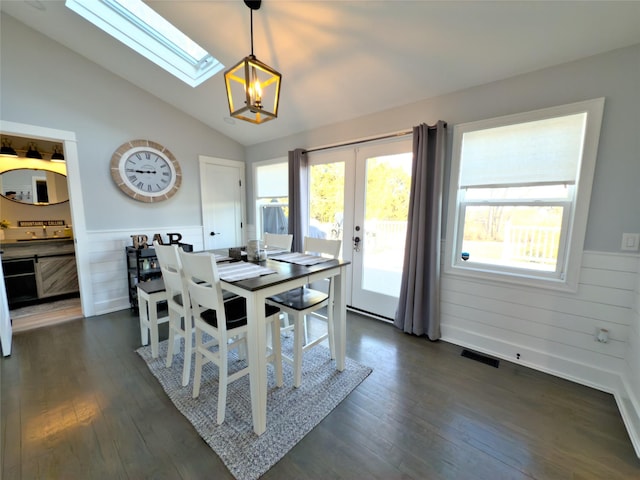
x=70, y=148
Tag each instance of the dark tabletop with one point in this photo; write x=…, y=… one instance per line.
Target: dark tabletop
x=284, y=271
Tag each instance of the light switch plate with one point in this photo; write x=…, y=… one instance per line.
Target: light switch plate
x=630, y=242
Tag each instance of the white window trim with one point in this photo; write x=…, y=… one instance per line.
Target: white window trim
x=572, y=255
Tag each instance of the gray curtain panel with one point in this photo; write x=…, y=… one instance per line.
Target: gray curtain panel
x=298, y=197
x=419, y=305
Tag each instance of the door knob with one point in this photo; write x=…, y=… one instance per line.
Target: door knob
x=213, y=234
x=356, y=244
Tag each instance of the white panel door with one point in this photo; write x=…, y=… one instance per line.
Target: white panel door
x=223, y=210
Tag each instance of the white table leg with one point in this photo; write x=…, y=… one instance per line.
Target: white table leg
x=256, y=351
x=340, y=317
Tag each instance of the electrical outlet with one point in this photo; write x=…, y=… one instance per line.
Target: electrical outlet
x=602, y=335
x=630, y=242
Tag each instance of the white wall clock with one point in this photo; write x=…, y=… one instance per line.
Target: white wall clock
x=146, y=171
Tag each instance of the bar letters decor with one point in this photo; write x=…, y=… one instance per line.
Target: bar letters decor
x=139, y=241
x=142, y=241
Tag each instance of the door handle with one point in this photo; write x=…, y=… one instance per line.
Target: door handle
x=356, y=244
x=213, y=234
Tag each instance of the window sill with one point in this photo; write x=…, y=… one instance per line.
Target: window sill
x=512, y=279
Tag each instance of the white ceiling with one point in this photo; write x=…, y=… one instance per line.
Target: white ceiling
x=344, y=59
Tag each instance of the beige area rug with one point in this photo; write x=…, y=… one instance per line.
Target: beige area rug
x=45, y=314
x=291, y=412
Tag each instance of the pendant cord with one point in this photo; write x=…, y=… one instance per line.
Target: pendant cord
x=251, y=32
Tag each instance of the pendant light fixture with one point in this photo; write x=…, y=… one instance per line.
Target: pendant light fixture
x=253, y=88
x=57, y=155
x=7, y=150
x=33, y=152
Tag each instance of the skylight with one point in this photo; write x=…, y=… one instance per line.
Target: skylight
x=139, y=27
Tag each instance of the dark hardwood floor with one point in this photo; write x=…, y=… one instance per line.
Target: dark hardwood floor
x=78, y=403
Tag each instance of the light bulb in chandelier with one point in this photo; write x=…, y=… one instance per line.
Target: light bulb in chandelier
x=255, y=90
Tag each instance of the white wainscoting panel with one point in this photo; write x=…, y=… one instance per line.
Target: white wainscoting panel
x=108, y=266
x=552, y=331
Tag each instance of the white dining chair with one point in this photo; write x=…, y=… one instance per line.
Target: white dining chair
x=225, y=322
x=301, y=302
x=276, y=240
x=180, y=317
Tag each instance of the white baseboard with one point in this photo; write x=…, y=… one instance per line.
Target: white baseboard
x=630, y=411
x=112, y=305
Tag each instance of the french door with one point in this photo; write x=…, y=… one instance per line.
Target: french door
x=362, y=197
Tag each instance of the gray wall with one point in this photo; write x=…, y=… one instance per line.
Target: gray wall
x=43, y=83
x=615, y=203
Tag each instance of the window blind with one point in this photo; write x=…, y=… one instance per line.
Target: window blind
x=273, y=181
x=541, y=152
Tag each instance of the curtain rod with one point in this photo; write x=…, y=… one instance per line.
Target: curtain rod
x=356, y=142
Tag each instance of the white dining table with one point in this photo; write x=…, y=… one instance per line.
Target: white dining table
x=257, y=290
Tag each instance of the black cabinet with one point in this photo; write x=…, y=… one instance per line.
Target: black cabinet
x=142, y=266
x=20, y=281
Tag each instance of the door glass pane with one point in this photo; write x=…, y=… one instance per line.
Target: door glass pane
x=388, y=182
x=326, y=191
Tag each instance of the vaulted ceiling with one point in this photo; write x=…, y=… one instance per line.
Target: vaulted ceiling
x=344, y=59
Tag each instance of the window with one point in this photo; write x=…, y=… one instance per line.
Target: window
x=520, y=189
x=272, y=198
x=139, y=27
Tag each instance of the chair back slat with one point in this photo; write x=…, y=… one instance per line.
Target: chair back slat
x=171, y=268
x=322, y=246
x=203, y=283
x=278, y=240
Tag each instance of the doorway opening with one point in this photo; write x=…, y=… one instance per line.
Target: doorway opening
x=56, y=308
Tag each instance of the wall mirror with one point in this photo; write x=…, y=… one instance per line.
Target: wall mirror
x=34, y=186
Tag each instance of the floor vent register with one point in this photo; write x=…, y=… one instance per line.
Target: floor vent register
x=478, y=357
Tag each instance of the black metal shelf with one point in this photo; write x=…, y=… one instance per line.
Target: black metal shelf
x=138, y=272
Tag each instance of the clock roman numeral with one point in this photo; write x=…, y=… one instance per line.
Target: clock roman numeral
x=133, y=178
